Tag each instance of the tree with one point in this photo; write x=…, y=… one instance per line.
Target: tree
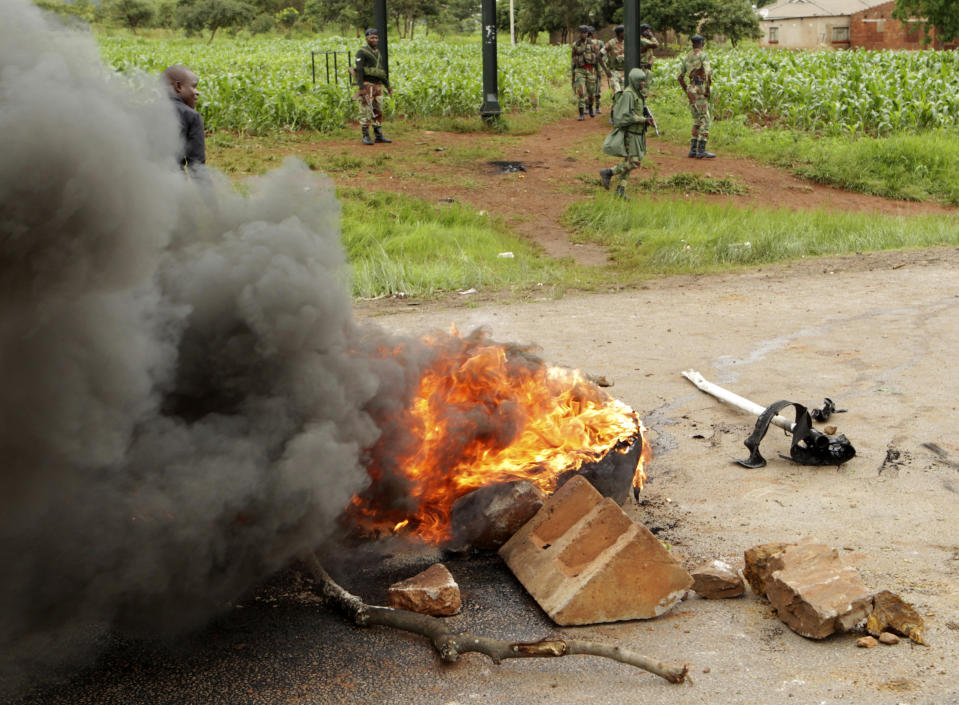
x=212, y=14
x=345, y=14
x=287, y=17
x=681, y=16
x=941, y=15
x=130, y=13
x=735, y=19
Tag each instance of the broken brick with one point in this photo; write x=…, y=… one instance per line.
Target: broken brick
x=584, y=561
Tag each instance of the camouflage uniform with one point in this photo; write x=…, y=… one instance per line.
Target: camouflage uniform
x=586, y=57
x=628, y=138
x=646, y=58
x=615, y=55
x=696, y=64
x=371, y=78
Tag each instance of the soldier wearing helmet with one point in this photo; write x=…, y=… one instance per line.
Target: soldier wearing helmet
x=585, y=61
x=696, y=65
x=614, y=53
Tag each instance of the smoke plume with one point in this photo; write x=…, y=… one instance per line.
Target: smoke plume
x=185, y=399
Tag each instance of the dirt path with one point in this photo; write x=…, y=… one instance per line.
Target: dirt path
x=562, y=161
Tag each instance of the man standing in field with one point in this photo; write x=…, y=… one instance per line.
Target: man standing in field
x=371, y=78
x=696, y=64
x=628, y=138
x=184, y=94
x=614, y=54
x=586, y=57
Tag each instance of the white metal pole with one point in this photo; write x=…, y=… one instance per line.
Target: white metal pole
x=732, y=399
x=512, y=25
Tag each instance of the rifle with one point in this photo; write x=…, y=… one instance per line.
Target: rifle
x=649, y=114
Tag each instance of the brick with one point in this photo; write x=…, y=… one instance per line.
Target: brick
x=584, y=561
x=434, y=592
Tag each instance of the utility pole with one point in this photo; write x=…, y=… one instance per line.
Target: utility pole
x=631, y=22
x=380, y=22
x=512, y=24
x=490, y=107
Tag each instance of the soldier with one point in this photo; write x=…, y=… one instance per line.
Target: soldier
x=371, y=78
x=586, y=57
x=628, y=138
x=614, y=54
x=599, y=77
x=647, y=42
x=696, y=64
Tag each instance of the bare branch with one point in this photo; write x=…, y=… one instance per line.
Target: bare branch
x=450, y=646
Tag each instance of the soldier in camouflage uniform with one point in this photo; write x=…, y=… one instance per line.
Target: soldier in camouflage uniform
x=647, y=42
x=371, y=78
x=628, y=138
x=586, y=56
x=591, y=32
x=696, y=64
x=614, y=54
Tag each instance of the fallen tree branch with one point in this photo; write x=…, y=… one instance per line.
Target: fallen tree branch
x=450, y=646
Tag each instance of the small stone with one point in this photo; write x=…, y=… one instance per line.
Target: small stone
x=706, y=670
x=888, y=638
x=829, y=430
x=891, y=612
x=433, y=592
x=866, y=642
x=717, y=580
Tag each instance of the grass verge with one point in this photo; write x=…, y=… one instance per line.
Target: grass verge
x=912, y=167
x=398, y=244
x=664, y=236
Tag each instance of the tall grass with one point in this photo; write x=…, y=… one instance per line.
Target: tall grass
x=668, y=236
x=397, y=244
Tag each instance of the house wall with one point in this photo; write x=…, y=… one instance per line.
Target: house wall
x=876, y=29
x=804, y=33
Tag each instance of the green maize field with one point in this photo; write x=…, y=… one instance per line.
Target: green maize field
x=840, y=92
x=266, y=83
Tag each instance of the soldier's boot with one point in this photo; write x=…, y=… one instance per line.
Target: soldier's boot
x=366, y=136
x=621, y=191
x=598, y=111
x=606, y=175
x=378, y=131
x=701, y=152
x=693, y=148
x=581, y=116
x=591, y=113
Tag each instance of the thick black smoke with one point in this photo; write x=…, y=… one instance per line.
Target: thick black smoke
x=185, y=399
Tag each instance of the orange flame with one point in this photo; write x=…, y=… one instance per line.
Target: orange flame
x=485, y=413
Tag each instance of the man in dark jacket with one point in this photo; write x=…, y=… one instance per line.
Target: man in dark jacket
x=183, y=91
x=371, y=78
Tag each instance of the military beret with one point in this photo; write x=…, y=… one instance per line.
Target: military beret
x=697, y=39
x=583, y=28
x=619, y=28
x=372, y=30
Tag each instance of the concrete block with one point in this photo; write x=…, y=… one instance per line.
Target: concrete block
x=584, y=561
